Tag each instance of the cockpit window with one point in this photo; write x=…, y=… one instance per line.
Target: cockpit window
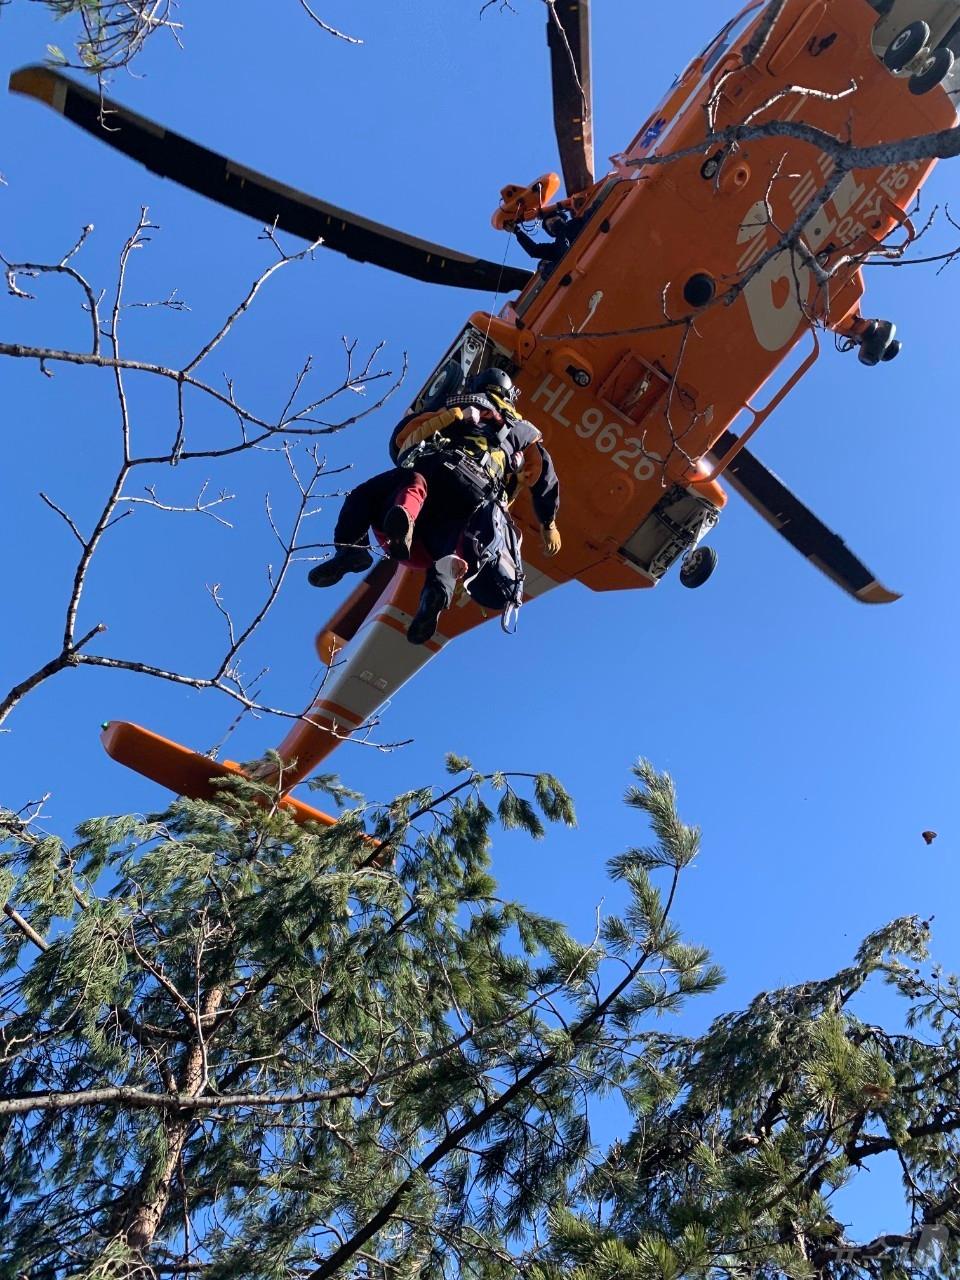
x=727, y=35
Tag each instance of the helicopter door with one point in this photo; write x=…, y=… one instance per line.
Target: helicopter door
x=471, y=352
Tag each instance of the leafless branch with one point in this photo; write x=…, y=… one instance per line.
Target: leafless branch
x=25, y=927
x=200, y=506
x=139, y=1098
x=68, y=520
x=325, y=26
x=257, y=433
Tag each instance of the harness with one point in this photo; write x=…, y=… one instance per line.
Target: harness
x=497, y=581
x=484, y=464
x=480, y=456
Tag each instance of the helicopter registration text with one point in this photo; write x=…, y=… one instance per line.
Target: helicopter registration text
x=608, y=436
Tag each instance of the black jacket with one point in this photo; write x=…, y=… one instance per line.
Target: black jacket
x=515, y=435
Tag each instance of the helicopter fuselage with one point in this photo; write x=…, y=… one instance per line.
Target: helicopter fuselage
x=697, y=269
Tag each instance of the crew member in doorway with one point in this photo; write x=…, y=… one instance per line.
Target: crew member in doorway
x=562, y=228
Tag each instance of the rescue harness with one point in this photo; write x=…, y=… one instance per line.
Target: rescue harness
x=479, y=455
x=483, y=464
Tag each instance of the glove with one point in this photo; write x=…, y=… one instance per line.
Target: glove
x=469, y=414
x=551, y=538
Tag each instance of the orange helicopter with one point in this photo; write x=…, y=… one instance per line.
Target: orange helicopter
x=665, y=309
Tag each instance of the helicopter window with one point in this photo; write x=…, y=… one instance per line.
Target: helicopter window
x=722, y=41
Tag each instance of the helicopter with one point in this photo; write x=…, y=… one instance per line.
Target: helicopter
x=649, y=338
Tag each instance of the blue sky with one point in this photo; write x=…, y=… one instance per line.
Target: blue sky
x=812, y=737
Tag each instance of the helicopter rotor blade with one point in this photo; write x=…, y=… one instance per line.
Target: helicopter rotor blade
x=170, y=155
x=568, y=35
x=826, y=550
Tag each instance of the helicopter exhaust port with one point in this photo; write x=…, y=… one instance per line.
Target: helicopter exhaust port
x=700, y=290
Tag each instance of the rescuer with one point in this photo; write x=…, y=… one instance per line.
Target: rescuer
x=444, y=507
x=562, y=228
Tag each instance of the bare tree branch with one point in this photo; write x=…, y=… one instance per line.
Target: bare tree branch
x=324, y=26
x=298, y=420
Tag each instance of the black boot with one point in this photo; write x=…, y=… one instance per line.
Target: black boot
x=424, y=623
x=347, y=560
x=398, y=527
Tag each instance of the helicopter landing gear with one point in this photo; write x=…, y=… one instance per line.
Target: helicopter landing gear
x=934, y=71
x=448, y=381
x=905, y=47
x=697, y=566
x=711, y=166
x=929, y=67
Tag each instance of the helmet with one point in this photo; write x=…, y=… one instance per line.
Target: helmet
x=494, y=380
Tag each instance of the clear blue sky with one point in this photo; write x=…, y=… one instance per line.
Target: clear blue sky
x=812, y=737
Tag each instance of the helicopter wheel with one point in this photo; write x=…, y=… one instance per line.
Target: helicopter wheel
x=711, y=166
x=447, y=383
x=938, y=67
x=906, y=46
x=697, y=566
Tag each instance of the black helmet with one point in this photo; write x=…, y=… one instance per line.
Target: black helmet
x=495, y=380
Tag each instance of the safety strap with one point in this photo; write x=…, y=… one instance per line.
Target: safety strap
x=511, y=614
x=509, y=618
x=440, y=444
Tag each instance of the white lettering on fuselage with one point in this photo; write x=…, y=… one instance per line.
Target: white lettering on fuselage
x=553, y=395
x=778, y=296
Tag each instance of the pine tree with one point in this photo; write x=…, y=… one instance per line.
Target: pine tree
x=107, y=34
x=744, y=1135
x=233, y=1047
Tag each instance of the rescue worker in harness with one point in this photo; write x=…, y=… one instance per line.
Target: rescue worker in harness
x=444, y=507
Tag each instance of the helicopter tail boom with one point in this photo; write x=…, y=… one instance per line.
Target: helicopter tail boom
x=185, y=772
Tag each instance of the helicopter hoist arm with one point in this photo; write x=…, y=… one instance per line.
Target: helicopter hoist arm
x=173, y=156
x=771, y=499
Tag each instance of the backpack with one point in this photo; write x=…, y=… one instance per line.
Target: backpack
x=492, y=543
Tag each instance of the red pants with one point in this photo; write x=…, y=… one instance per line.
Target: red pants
x=410, y=496
x=437, y=537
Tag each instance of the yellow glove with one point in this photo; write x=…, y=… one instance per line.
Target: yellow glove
x=551, y=539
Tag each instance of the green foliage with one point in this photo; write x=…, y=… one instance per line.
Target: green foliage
x=106, y=34
x=744, y=1134
x=274, y=1050
x=234, y=1046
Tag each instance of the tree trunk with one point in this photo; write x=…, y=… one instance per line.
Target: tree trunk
x=152, y=1194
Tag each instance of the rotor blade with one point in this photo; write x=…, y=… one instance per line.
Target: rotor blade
x=568, y=34
x=769, y=496
x=172, y=156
